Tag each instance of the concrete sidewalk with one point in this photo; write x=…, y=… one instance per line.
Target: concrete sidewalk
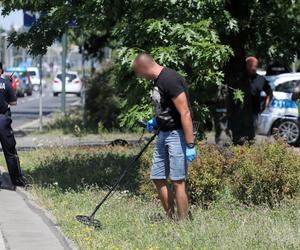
x=22, y=227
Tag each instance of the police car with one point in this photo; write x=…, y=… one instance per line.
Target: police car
x=281, y=118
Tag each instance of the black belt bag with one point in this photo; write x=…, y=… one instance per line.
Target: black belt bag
x=166, y=122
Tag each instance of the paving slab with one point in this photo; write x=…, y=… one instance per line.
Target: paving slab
x=21, y=227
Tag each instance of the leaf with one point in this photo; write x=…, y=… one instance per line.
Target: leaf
x=238, y=96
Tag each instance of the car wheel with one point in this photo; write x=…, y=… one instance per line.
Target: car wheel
x=21, y=94
x=78, y=94
x=288, y=131
x=55, y=94
x=29, y=92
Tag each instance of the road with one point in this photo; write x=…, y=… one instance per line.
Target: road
x=27, y=109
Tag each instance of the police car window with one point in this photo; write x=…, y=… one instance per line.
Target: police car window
x=288, y=87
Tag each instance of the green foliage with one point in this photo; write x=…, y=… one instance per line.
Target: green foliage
x=265, y=174
x=195, y=37
x=238, y=96
x=193, y=49
x=258, y=174
x=103, y=102
x=75, y=168
x=70, y=123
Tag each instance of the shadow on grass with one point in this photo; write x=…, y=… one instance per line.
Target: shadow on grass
x=69, y=170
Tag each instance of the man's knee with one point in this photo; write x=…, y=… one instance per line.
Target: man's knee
x=160, y=183
x=178, y=185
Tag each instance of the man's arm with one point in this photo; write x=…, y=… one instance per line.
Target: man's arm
x=269, y=92
x=268, y=99
x=182, y=107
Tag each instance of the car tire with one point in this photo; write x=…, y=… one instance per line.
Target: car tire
x=21, y=94
x=78, y=94
x=55, y=94
x=29, y=93
x=287, y=130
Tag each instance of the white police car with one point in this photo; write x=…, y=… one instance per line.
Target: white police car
x=281, y=118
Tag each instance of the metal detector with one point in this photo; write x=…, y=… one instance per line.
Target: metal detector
x=89, y=220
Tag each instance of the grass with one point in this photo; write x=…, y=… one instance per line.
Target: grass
x=71, y=181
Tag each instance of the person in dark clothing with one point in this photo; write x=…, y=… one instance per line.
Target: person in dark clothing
x=242, y=117
x=7, y=139
x=257, y=84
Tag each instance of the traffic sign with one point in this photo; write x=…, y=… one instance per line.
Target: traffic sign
x=29, y=18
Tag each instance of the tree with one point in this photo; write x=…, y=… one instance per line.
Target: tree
x=205, y=40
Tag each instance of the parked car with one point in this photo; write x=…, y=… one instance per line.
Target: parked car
x=73, y=84
x=281, y=118
x=22, y=80
x=34, y=74
x=12, y=78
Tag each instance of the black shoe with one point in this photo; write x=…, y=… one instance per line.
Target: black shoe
x=21, y=182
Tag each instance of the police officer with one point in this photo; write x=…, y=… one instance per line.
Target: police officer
x=7, y=138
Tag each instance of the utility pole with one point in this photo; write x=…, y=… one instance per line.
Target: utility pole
x=84, y=83
x=41, y=93
x=64, y=66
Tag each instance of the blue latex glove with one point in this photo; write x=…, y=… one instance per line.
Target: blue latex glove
x=151, y=125
x=190, y=153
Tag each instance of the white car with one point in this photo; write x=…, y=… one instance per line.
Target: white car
x=73, y=84
x=281, y=117
x=34, y=74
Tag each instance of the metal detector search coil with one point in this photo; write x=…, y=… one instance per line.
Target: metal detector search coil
x=88, y=221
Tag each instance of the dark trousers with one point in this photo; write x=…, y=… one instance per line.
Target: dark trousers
x=8, y=144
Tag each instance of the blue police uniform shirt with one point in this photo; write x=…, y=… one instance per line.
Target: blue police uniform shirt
x=7, y=94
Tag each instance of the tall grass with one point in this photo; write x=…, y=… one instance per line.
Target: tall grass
x=72, y=181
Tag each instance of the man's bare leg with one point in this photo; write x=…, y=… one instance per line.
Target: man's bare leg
x=181, y=198
x=165, y=196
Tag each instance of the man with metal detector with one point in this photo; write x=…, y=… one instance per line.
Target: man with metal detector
x=175, y=142
x=7, y=139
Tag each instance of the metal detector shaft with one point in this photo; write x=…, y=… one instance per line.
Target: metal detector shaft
x=123, y=174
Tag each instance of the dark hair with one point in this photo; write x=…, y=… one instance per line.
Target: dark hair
x=1, y=66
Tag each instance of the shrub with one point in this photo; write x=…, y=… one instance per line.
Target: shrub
x=103, y=102
x=205, y=175
x=265, y=173
x=205, y=181
x=256, y=174
x=69, y=123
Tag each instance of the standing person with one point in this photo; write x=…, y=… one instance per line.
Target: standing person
x=7, y=139
x=257, y=84
x=175, y=142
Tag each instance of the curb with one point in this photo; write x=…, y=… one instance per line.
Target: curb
x=46, y=216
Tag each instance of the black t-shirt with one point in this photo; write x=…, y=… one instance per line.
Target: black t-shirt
x=7, y=94
x=168, y=85
x=257, y=84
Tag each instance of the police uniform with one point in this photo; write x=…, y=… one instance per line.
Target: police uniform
x=7, y=138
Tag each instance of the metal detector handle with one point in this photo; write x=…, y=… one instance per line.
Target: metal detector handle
x=124, y=173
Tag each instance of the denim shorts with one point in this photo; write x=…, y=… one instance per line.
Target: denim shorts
x=169, y=159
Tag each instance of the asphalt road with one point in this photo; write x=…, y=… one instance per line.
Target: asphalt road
x=27, y=109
